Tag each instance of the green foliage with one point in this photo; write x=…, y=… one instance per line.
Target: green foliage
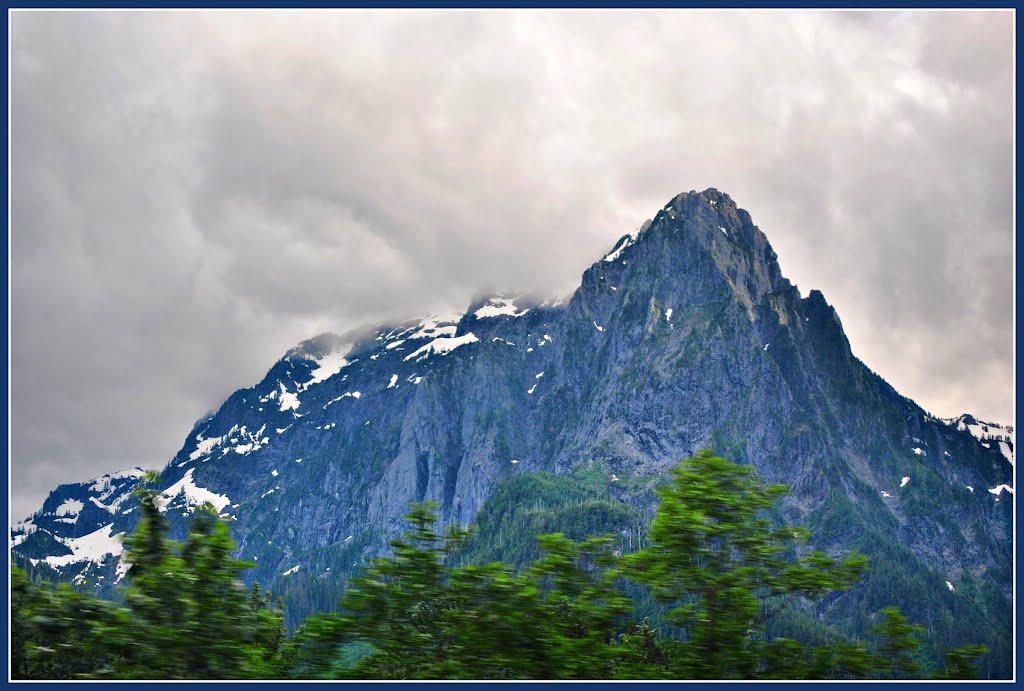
x=56, y=632
x=713, y=553
x=899, y=641
x=976, y=612
x=962, y=663
x=185, y=615
x=731, y=577
x=423, y=619
x=532, y=504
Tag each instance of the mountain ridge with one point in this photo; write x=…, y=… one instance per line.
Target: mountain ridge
x=685, y=335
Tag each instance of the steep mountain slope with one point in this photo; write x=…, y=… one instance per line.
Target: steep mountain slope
x=684, y=336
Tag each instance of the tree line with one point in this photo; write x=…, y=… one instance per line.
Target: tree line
x=721, y=569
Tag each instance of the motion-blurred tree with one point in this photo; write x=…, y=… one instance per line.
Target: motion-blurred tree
x=712, y=552
x=711, y=555
x=424, y=619
x=186, y=614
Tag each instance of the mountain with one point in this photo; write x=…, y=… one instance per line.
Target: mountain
x=684, y=336
x=73, y=531
x=990, y=434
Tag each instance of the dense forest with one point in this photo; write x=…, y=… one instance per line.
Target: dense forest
x=716, y=587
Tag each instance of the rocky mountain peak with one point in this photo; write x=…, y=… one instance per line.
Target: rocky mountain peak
x=699, y=247
x=685, y=335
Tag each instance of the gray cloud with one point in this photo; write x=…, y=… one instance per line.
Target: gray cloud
x=193, y=193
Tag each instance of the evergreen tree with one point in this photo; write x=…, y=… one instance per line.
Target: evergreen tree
x=962, y=663
x=157, y=597
x=711, y=555
x=898, y=644
x=58, y=633
x=712, y=552
x=425, y=619
x=186, y=614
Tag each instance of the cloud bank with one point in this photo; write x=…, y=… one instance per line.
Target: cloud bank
x=195, y=192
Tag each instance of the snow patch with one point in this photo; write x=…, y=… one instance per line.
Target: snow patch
x=985, y=432
x=950, y=586
x=102, y=484
x=292, y=570
x=289, y=401
x=999, y=490
x=347, y=394
x=621, y=246
x=193, y=494
x=499, y=307
x=252, y=442
x=668, y=314
x=431, y=326
x=904, y=481
x=206, y=446
x=441, y=346
x=274, y=472
x=598, y=326
x=918, y=451
x=70, y=507
x=327, y=367
x=122, y=568
x=393, y=384
x=93, y=547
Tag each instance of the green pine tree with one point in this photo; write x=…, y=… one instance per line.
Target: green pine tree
x=712, y=553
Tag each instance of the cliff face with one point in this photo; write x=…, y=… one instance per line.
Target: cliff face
x=684, y=336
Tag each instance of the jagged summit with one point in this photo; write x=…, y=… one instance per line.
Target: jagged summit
x=694, y=225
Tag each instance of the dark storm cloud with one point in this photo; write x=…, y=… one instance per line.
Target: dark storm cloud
x=193, y=193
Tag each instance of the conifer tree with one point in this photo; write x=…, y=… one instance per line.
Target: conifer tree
x=713, y=553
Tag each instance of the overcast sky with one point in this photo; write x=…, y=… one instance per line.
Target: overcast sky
x=194, y=193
